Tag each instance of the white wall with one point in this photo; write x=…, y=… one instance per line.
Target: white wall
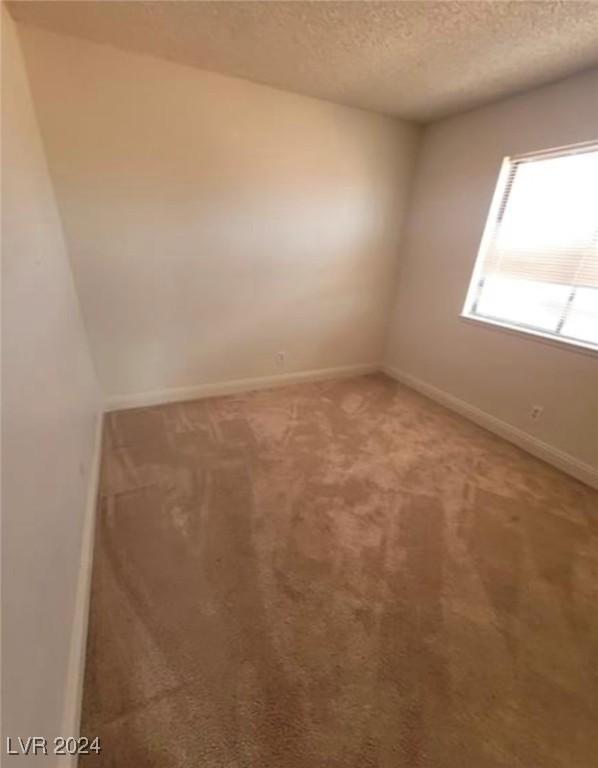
x=213, y=221
x=50, y=404
x=500, y=373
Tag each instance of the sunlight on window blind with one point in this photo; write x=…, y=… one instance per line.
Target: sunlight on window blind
x=538, y=263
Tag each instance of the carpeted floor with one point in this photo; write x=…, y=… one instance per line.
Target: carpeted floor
x=338, y=575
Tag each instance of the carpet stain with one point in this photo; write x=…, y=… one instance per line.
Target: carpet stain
x=340, y=574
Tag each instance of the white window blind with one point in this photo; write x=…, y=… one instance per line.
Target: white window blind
x=537, y=268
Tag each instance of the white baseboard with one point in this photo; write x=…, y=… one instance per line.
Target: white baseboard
x=76, y=666
x=73, y=697
x=559, y=459
x=176, y=394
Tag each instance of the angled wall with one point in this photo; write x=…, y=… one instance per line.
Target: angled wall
x=50, y=408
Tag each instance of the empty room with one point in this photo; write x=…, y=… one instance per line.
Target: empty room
x=300, y=384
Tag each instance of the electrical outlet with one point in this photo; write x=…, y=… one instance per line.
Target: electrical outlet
x=281, y=358
x=536, y=412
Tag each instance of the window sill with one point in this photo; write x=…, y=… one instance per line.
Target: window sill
x=571, y=346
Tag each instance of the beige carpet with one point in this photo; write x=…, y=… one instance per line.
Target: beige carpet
x=338, y=575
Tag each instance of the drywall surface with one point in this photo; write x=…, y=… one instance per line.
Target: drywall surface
x=213, y=222
x=50, y=404
x=502, y=373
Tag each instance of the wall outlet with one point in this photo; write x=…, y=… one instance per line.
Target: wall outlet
x=281, y=358
x=536, y=411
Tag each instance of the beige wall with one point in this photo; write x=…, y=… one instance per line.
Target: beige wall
x=213, y=222
x=501, y=373
x=50, y=404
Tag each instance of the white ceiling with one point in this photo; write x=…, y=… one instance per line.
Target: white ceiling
x=418, y=60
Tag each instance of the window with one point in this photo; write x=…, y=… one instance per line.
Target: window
x=537, y=267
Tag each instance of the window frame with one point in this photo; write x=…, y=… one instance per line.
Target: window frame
x=490, y=225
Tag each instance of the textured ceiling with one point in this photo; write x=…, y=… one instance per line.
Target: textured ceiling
x=418, y=60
